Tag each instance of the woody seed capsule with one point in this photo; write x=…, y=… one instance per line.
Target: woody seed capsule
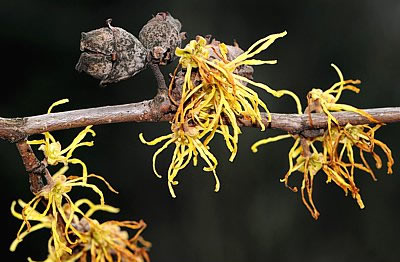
x=111, y=54
x=161, y=36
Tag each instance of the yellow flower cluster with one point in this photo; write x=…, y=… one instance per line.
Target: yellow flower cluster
x=52, y=148
x=54, y=194
x=326, y=101
x=105, y=242
x=213, y=94
x=337, y=158
x=74, y=234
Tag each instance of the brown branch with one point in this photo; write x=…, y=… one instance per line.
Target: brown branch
x=161, y=102
x=157, y=110
x=18, y=128
x=33, y=166
x=162, y=85
x=295, y=123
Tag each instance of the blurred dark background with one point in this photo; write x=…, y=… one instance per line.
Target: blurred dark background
x=253, y=217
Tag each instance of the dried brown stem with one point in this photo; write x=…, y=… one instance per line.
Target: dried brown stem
x=159, y=109
x=162, y=85
x=161, y=102
x=32, y=165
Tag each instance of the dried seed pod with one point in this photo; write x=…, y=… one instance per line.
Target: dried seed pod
x=111, y=54
x=161, y=36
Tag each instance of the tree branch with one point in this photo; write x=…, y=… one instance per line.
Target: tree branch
x=16, y=129
x=33, y=166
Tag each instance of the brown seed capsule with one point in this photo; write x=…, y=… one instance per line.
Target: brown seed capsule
x=111, y=54
x=161, y=36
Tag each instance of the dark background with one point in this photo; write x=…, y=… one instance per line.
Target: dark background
x=254, y=217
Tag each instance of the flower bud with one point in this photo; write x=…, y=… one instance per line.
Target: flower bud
x=111, y=54
x=161, y=36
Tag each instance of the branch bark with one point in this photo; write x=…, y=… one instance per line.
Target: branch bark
x=17, y=129
x=33, y=166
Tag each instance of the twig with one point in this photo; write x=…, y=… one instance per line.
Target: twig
x=33, y=166
x=161, y=102
x=16, y=129
x=162, y=86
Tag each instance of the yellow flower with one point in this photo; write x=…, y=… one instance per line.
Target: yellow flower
x=56, y=257
x=194, y=48
x=82, y=225
x=363, y=137
x=187, y=148
x=326, y=101
x=107, y=242
x=348, y=137
x=306, y=162
x=337, y=143
x=103, y=242
x=55, y=154
x=54, y=194
x=305, y=158
x=44, y=222
x=220, y=95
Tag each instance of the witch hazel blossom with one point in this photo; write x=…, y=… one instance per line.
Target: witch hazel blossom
x=213, y=94
x=55, y=194
x=105, y=241
x=337, y=158
x=99, y=241
x=53, y=151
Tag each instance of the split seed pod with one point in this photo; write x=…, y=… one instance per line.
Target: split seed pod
x=161, y=36
x=111, y=54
